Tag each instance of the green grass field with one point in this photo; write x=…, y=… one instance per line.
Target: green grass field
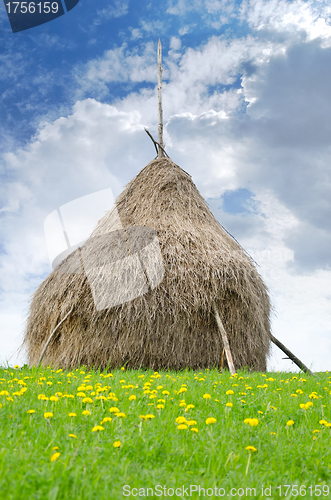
x=92, y=435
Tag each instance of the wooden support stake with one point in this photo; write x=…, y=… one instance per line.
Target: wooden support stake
x=291, y=355
x=225, y=341
x=159, y=97
x=51, y=336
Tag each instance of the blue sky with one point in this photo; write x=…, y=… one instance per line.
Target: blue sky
x=246, y=113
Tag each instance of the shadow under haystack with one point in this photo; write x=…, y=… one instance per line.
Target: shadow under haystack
x=142, y=287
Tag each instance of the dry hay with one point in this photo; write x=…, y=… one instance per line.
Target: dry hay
x=171, y=325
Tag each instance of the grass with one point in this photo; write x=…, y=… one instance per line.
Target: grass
x=60, y=456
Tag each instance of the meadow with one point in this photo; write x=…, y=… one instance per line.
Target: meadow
x=129, y=433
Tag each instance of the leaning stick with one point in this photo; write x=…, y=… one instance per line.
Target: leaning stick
x=225, y=341
x=291, y=355
x=159, y=97
x=51, y=336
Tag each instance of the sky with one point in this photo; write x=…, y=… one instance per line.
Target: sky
x=246, y=100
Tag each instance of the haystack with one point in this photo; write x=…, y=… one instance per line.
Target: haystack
x=169, y=323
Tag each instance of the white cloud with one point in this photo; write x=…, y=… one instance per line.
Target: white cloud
x=118, y=9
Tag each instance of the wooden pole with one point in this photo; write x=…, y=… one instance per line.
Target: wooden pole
x=159, y=97
x=52, y=335
x=291, y=355
x=225, y=341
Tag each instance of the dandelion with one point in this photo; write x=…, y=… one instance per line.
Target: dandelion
x=132, y=397
x=166, y=393
x=273, y=433
x=4, y=393
x=181, y=420
x=54, y=398
x=55, y=456
x=149, y=416
x=114, y=410
x=229, y=392
x=251, y=448
x=251, y=421
x=160, y=407
x=194, y=429
x=117, y=444
x=323, y=422
x=98, y=428
x=206, y=396
x=182, y=426
x=290, y=422
x=316, y=430
x=48, y=414
x=191, y=422
x=211, y=420
x=55, y=448
x=86, y=412
x=229, y=405
x=106, y=419
x=260, y=412
x=87, y=400
x=189, y=407
x=120, y=415
x=31, y=411
x=72, y=415
x=72, y=436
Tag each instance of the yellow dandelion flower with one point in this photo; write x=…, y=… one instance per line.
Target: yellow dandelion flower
x=117, y=444
x=194, y=429
x=323, y=422
x=206, y=396
x=211, y=420
x=114, y=410
x=16, y=367
x=55, y=456
x=48, y=414
x=251, y=448
x=191, y=422
x=273, y=433
x=229, y=392
x=72, y=436
x=166, y=393
x=120, y=415
x=86, y=412
x=229, y=405
x=31, y=411
x=106, y=419
x=181, y=420
x=189, y=407
x=149, y=416
x=55, y=448
x=251, y=421
x=81, y=394
x=54, y=398
x=160, y=407
x=98, y=428
x=182, y=426
x=142, y=417
x=290, y=422
x=132, y=397
x=316, y=430
x=87, y=400
x=243, y=401
x=182, y=405
x=72, y=415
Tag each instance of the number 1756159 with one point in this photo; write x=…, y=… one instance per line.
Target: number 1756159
x=32, y=7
